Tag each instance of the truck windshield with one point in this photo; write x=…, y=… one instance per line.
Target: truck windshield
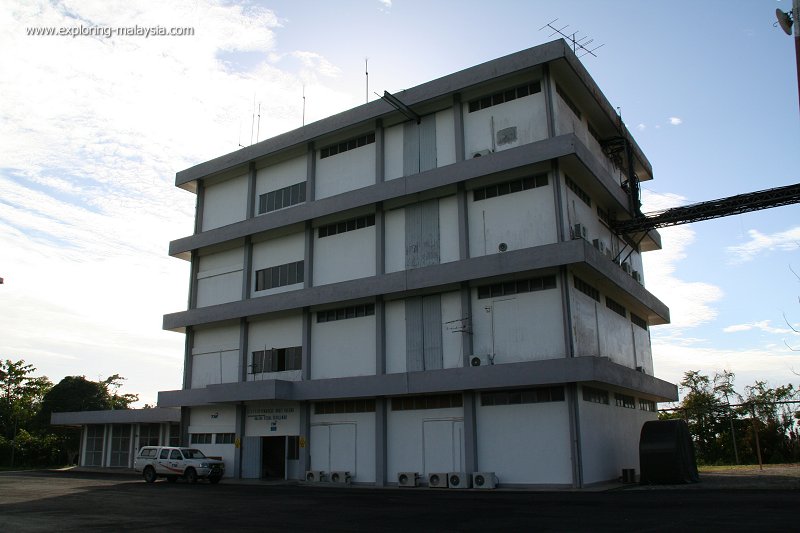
x=191, y=453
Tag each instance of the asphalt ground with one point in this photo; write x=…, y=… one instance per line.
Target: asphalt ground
x=80, y=501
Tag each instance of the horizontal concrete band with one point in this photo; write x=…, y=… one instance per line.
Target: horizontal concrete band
x=568, y=145
x=117, y=416
x=527, y=374
x=436, y=89
x=572, y=252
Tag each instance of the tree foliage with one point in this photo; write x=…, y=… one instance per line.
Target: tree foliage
x=727, y=427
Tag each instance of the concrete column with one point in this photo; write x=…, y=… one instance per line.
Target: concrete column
x=199, y=205
x=458, y=118
x=380, y=442
x=575, y=434
x=187, y=358
x=244, y=348
x=241, y=413
x=186, y=420
x=311, y=173
x=470, y=432
x=379, y=152
x=247, y=267
x=308, y=261
x=380, y=336
x=251, y=190
x=305, y=372
x=466, y=312
x=548, y=100
x=304, y=458
x=462, y=203
x=194, y=268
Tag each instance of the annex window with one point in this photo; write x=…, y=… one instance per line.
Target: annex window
x=647, y=405
x=616, y=307
x=430, y=401
x=517, y=287
x=279, y=276
x=568, y=101
x=285, y=197
x=521, y=396
x=586, y=289
x=639, y=321
x=623, y=400
x=349, y=144
x=508, y=187
x=346, y=225
x=200, y=438
x=505, y=96
x=590, y=394
x=277, y=360
x=580, y=193
x=225, y=438
x=343, y=313
x=336, y=407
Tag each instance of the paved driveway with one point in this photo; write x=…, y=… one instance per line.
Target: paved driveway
x=50, y=501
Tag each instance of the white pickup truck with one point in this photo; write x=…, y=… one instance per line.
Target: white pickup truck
x=172, y=462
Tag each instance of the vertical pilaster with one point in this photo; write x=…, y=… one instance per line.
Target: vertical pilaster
x=239, y=429
x=244, y=348
x=458, y=119
x=379, y=152
x=194, y=269
x=311, y=173
x=251, y=190
x=470, y=432
x=186, y=420
x=308, y=256
x=304, y=462
x=199, y=205
x=575, y=434
x=187, y=357
x=306, y=355
x=380, y=442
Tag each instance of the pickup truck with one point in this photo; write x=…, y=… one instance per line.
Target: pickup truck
x=173, y=462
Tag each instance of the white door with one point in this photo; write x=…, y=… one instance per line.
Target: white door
x=443, y=445
x=320, y=448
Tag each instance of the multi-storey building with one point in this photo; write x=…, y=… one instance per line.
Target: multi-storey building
x=426, y=289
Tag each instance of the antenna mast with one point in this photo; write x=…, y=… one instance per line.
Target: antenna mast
x=577, y=44
x=258, y=125
x=304, y=105
x=366, y=73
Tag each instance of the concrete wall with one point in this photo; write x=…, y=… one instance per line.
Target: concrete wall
x=344, y=442
x=215, y=355
x=425, y=441
x=219, y=277
x=343, y=348
x=225, y=203
x=215, y=419
x=345, y=171
x=344, y=256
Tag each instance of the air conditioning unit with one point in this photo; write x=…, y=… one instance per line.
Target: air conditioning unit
x=635, y=275
x=479, y=360
x=579, y=231
x=626, y=267
x=341, y=477
x=315, y=476
x=437, y=480
x=407, y=479
x=459, y=480
x=481, y=153
x=599, y=245
x=484, y=480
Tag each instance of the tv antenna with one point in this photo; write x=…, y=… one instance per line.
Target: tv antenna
x=582, y=44
x=304, y=105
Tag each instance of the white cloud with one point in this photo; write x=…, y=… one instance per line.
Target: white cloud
x=759, y=243
x=641, y=127
x=762, y=325
x=94, y=130
x=386, y=5
x=675, y=121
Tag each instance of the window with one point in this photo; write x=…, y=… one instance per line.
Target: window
x=517, y=287
x=346, y=225
x=639, y=321
x=568, y=101
x=623, y=400
x=586, y=289
x=431, y=401
x=590, y=394
x=521, y=396
x=508, y=187
x=603, y=215
x=148, y=435
x=164, y=454
x=148, y=452
x=505, y=96
x=344, y=146
x=285, y=197
x=344, y=406
x=95, y=435
x=616, y=307
x=580, y=193
x=225, y=438
x=174, y=434
x=293, y=448
x=199, y=438
x=277, y=360
x=647, y=405
x=343, y=313
x=279, y=276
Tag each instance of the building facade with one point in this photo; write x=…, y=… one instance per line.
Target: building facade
x=427, y=289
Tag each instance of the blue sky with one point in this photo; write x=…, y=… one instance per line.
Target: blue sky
x=94, y=129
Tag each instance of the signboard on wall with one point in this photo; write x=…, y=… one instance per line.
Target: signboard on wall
x=272, y=419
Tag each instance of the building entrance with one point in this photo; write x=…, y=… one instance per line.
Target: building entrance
x=273, y=457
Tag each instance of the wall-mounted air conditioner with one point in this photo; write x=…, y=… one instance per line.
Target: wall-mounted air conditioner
x=481, y=153
x=635, y=275
x=459, y=480
x=315, y=476
x=579, y=231
x=484, y=480
x=626, y=267
x=479, y=360
x=342, y=477
x=437, y=480
x=407, y=479
x=599, y=245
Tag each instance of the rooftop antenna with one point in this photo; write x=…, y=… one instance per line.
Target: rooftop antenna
x=253, y=120
x=258, y=124
x=582, y=44
x=366, y=73
x=304, y=105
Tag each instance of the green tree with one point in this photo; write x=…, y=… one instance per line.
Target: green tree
x=21, y=395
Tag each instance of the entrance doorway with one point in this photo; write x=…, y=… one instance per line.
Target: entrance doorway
x=273, y=457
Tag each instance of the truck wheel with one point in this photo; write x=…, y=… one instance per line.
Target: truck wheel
x=172, y=479
x=149, y=474
x=214, y=479
x=190, y=475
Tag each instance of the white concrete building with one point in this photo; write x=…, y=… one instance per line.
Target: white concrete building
x=376, y=294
